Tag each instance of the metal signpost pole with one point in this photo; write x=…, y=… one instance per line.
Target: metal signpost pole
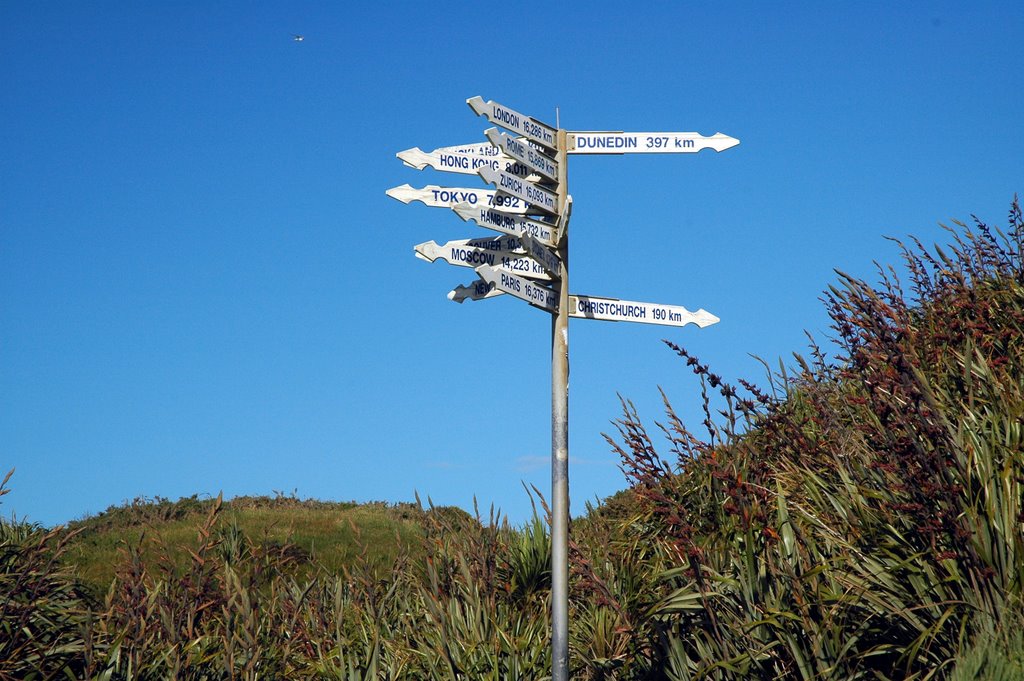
x=532, y=264
x=560, y=440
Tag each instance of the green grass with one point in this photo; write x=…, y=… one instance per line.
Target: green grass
x=331, y=535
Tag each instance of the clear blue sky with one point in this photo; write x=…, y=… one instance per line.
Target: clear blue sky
x=204, y=288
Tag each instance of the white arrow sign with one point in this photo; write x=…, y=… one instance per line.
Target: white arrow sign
x=524, y=289
x=465, y=159
x=446, y=197
x=614, y=310
x=515, y=121
x=646, y=142
x=524, y=152
x=503, y=252
x=547, y=258
x=537, y=197
x=508, y=223
x=477, y=290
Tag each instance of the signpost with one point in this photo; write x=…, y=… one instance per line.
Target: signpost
x=524, y=289
x=531, y=207
x=478, y=290
x=446, y=197
x=508, y=223
x=504, y=253
x=647, y=142
x=544, y=256
x=526, y=126
x=524, y=152
x=537, y=197
x=615, y=310
x=465, y=159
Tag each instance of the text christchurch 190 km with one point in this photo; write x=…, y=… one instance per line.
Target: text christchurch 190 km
x=613, y=310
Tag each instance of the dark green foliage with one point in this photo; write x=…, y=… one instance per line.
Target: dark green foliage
x=861, y=518
x=864, y=519
x=43, y=616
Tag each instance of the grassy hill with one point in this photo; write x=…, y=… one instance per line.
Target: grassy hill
x=312, y=535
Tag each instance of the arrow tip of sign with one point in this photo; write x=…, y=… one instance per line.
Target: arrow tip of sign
x=725, y=142
x=477, y=104
x=487, y=273
x=463, y=210
x=401, y=193
x=426, y=251
x=703, y=318
x=454, y=296
x=414, y=158
x=489, y=174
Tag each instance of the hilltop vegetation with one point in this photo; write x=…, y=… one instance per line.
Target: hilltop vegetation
x=330, y=535
x=858, y=517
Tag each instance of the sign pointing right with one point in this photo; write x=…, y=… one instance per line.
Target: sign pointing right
x=646, y=142
x=614, y=310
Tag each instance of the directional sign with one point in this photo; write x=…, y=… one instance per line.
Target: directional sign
x=646, y=142
x=503, y=252
x=465, y=159
x=524, y=152
x=508, y=223
x=515, y=121
x=614, y=310
x=543, y=255
x=477, y=290
x=524, y=289
x=446, y=197
x=537, y=197
x=471, y=252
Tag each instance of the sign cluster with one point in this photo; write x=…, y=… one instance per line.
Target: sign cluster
x=525, y=205
x=528, y=206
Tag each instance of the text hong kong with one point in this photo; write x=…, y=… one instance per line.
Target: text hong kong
x=471, y=162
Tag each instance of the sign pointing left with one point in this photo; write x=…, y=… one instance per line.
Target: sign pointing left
x=526, y=126
x=528, y=192
x=524, y=152
x=524, y=289
x=477, y=290
x=446, y=197
x=465, y=158
x=504, y=252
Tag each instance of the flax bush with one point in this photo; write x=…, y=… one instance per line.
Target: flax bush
x=862, y=518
